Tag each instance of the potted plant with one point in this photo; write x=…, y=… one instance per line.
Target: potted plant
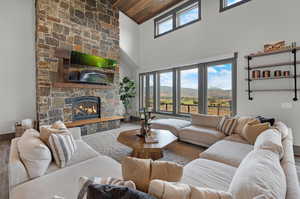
x=127, y=92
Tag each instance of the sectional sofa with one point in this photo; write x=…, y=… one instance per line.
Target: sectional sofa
x=215, y=168
x=218, y=164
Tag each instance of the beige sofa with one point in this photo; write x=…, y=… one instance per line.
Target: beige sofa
x=61, y=182
x=216, y=166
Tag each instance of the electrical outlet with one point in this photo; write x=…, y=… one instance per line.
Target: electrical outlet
x=286, y=105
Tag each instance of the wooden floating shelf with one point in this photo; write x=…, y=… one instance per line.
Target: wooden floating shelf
x=272, y=65
x=274, y=78
x=260, y=54
x=76, y=67
x=271, y=90
x=78, y=85
x=92, y=121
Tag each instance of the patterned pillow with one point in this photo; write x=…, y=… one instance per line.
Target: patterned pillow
x=84, y=183
x=63, y=147
x=227, y=125
x=57, y=128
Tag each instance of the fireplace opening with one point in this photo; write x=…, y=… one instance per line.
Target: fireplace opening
x=87, y=107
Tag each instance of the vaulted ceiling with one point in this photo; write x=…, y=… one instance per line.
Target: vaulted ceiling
x=142, y=10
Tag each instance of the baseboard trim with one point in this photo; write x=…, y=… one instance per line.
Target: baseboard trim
x=7, y=136
x=297, y=150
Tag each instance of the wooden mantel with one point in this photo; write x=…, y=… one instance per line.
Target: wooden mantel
x=92, y=121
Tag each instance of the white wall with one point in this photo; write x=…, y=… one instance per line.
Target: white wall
x=130, y=51
x=243, y=29
x=129, y=46
x=17, y=62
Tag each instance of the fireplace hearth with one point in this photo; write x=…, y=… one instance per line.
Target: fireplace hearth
x=86, y=107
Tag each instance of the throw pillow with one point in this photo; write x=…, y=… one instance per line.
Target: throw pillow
x=168, y=171
x=270, y=140
x=264, y=120
x=137, y=170
x=260, y=175
x=169, y=190
x=97, y=191
x=35, y=155
x=57, y=128
x=253, y=129
x=227, y=125
x=241, y=123
x=84, y=183
x=59, y=125
x=63, y=147
x=142, y=171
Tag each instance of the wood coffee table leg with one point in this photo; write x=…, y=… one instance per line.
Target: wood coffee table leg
x=154, y=155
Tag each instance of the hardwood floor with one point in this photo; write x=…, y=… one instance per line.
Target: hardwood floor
x=4, y=154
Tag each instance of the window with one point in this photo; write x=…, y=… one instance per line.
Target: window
x=227, y=4
x=164, y=25
x=166, y=91
x=181, y=16
x=151, y=92
x=219, y=89
x=208, y=88
x=188, y=91
x=187, y=15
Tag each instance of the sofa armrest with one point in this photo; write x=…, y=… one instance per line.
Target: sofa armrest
x=76, y=132
x=16, y=170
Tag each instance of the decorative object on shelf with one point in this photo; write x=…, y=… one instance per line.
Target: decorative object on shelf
x=277, y=73
x=127, y=93
x=275, y=46
x=286, y=73
x=22, y=126
x=146, y=118
x=256, y=74
x=266, y=74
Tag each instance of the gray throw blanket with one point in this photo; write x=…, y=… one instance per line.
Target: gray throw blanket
x=98, y=191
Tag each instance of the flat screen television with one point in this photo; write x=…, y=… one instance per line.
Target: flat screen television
x=79, y=58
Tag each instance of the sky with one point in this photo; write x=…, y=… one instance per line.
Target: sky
x=218, y=77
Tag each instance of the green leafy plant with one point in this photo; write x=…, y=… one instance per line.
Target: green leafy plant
x=127, y=92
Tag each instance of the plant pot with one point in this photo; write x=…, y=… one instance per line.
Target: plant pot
x=126, y=117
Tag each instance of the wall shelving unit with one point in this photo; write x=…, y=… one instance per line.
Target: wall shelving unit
x=294, y=63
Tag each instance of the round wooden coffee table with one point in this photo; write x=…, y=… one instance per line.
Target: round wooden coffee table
x=147, y=151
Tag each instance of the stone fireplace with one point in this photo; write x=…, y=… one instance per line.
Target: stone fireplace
x=91, y=27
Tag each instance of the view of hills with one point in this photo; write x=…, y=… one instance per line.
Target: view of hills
x=166, y=91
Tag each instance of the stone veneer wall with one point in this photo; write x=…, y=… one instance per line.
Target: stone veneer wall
x=89, y=26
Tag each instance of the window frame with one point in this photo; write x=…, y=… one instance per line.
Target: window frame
x=202, y=88
x=173, y=13
x=223, y=7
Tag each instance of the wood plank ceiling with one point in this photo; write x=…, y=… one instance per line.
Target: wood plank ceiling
x=142, y=10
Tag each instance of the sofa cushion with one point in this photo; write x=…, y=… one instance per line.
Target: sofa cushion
x=282, y=128
x=83, y=152
x=35, y=155
x=169, y=190
x=260, y=175
x=208, y=174
x=64, y=182
x=211, y=121
x=227, y=152
x=206, y=193
x=173, y=125
x=270, y=140
x=236, y=138
x=203, y=136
